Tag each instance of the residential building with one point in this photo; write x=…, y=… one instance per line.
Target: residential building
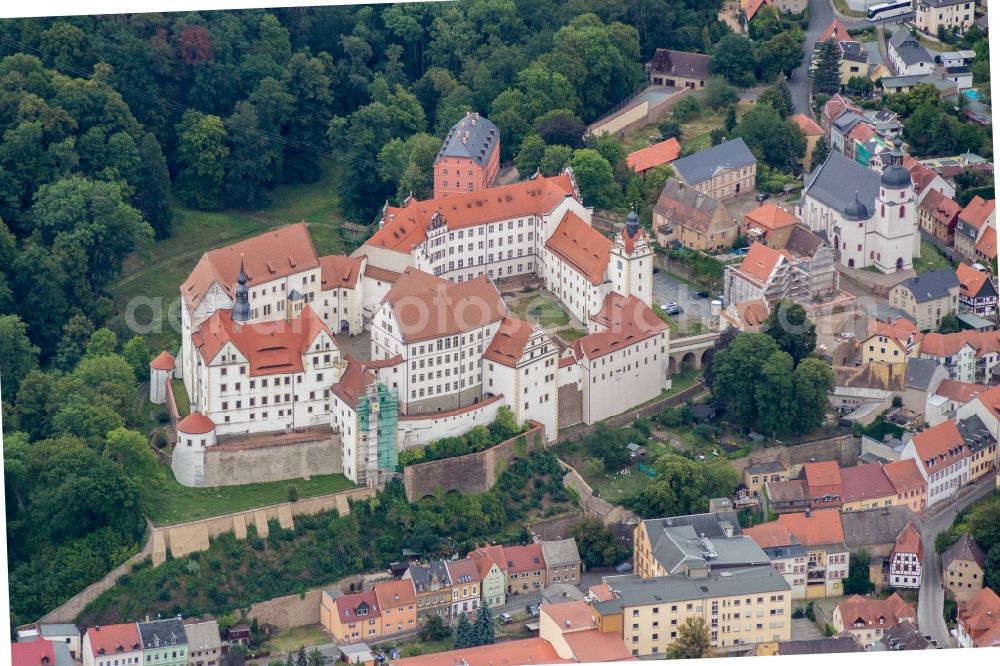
x=57, y=632
x=571, y=629
x=238, y=634
x=834, y=645
x=875, y=530
x=562, y=561
x=397, y=603
x=525, y=569
x=904, y=636
x=821, y=533
x=164, y=642
x=933, y=15
x=927, y=298
x=812, y=132
x=977, y=624
x=906, y=56
x=977, y=216
x=743, y=607
x=341, y=293
x=868, y=619
x=964, y=566
x=949, y=397
x=204, y=643
x=351, y=618
x=927, y=180
x=906, y=559
x=492, y=567
x=433, y=585
x=803, y=271
x=720, y=172
x=112, y=644
x=980, y=440
x=787, y=496
x=787, y=555
x=757, y=475
x=687, y=217
x=938, y=214
x=469, y=159
x=942, y=458
x=870, y=219
x=909, y=484
x=953, y=351
x=466, y=588
x=40, y=652
x=645, y=159
x=678, y=69
x=894, y=341
x=692, y=545
x=768, y=224
x=866, y=487
x=977, y=293
x=824, y=484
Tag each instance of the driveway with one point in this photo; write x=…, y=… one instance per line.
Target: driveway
x=668, y=289
x=930, y=606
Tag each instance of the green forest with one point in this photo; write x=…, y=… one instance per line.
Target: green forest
x=115, y=127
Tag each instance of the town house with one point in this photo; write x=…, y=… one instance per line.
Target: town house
x=928, y=298
x=942, y=458
x=525, y=569
x=465, y=592
x=977, y=293
x=433, y=586
x=964, y=565
x=906, y=559
x=112, y=645
x=822, y=535
x=720, y=172
x=687, y=217
x=868, y=619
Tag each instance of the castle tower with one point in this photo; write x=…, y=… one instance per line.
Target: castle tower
x=631, y=265
x=241, y=307
x=896, y=239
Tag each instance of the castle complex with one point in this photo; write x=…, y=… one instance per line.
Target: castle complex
x=263, y=321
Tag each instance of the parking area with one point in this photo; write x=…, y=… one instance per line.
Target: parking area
x=804, y=629
x=669, y=289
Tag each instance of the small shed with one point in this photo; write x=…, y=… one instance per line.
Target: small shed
x=635, y=450
x=357, y=653
x=703, y=411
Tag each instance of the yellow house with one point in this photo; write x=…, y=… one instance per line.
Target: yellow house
x=928, y=298
x=891, y=342
x=866, y=487
x=932, y=14
x=755, y=476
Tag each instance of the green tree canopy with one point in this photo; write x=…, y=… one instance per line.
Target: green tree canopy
x=791, y=328
x=734, y=59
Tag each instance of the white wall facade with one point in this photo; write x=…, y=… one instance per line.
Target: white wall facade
x=615, y=382
x=961, y=366
x=129, y=658
x=942, y=483
x=904, y=571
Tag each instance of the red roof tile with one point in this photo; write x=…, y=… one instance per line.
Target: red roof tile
x=269, y=256
x=195, y=423
x=987, y=245
x=980, y=615
x=164, y=361
x=597, y=647
x=348, y=605
x=406, y=227
x=905, y=476
x=353, y=382
x=581, y=246
x=875, y=612
x=663, y=152
x=960, y=392
x=770, y=535
x=978, y=211
x=822, y=474
x=760, y=262
x=629, y=321
x=463, y=571
x=837, y=30
x=770, y=217
x=807, y=125
x=815, y=529
x=970, y=279
x=426, y=306
x=753, y=6
x=524, y=558
x=908, y=541
x=508, y=344
x=339, y=271
x=38, y=652
x=942, y=444
x=863, y=482
x=507, y=653
x=114, y=638
x=486, y=556
x=941, y=208
x=900, y=330
x=921, y=174
x=395, y=593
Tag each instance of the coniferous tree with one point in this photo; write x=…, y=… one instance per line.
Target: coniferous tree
x=826, y=76
x=463, y=632
x=485, y=628
x=820, y=152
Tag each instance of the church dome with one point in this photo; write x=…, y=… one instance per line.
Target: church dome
x=895, y=176
x=632, y=224
x=856, y=210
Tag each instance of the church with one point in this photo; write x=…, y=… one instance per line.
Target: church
x=869, y=219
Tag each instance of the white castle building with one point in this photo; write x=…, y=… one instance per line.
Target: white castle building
x=868, y=219
x=260, y=355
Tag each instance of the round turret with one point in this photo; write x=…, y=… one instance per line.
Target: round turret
x=895, y=176
x=241, y=308
x=632, y=224
x=856, y=210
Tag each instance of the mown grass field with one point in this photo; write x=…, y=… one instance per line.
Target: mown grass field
x=931, y=259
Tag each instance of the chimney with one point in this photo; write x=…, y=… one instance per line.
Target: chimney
x=808, y=512
x=569, y=623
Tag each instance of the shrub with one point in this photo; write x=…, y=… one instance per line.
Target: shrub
x=687, y=109
x=160, y=440
x=293, y=494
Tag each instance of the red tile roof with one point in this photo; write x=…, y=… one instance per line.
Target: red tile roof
x=339, y=271
x=900, y=330
x=978, y=211
x=463, y=571
x=597, y=647
x=943, y=444
x=770, y=535
x=581, y=246
x=524, y=558
x=980, y=616
x=406, y=227
x=347, y=606
x=507, y=653
x=875, y=612
x=921, y=174
x=508, y=344
x=822, y=474
x=381, y=274
x=195, y=423
x=987, y=245
x=164, y=361
x=862, y=133
x=269, y=256
x=970, y=279
x=807, y=125
x=753, y=6
x=904, y=475
x=817, y=528
x=395, y=593
x=38, y=652
x=663, y=152
x=991, y=400
x=837, y=30
x=960, y=392
x=486, y=556
x=635, y=323
x=271, y=347
x=426, y=307
x=944, y=344
x=863, y=482
x=941, y=208
x=353, y=382
x=908, y=541
x=770, y=217
x=114, y=638
x=760, y=262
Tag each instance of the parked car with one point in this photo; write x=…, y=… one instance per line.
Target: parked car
x=505, y=618
x=532, y=610
x=763, y=196
x=624, y=567
x=701, y=294
x=847, y=335
x=672, y=309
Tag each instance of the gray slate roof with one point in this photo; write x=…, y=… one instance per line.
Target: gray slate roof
x=422, y=574
x=964, y=549
x=703, y=165
x=931, y=286
x=481, y=137
x=838, y=178
x=876, y=527
x=562, y=551
x=846, y=121
x=683, y=64
x=58, y=629
x=975, y=433
x=908, y=48
x=766, y=467
x=802, y=242
x=162, y=633
x=820, y=646
x=904, y=636
x=919, y=373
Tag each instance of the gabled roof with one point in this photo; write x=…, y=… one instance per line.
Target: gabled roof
x=820, y=474
x=203, y=635
x=507, y=346
x=942, y=445
x=407, y=226
x=862, y=482
x=683, y=64
x=269, y=256
x=426, y=306
x=162, y=633
x=703, y=165
x=354, y=382
x=908, y=541
x=685, y=205
x=771, y=217
x=960, y=392
x=876, y=527
x=904, y=475
x=560, y=551
x=753, y=6
x=424, y=575
x=339, y=271
x=940, y=207
x=837, y=30
x=594, y=645
x=965, y=549
x=920, y=174
x=920, y=372
x=987, y=244
x=394, y=593
x=972, y=281
x=760, y=262
x=905, y=636
x=979, y=617
x=570, y=616
x=977, y=211
x=836, y=181
x=816, y=528
x=486, y=556
x=908, y=48
x=356, y=605
x=945, y=344
x=874, y=612
x=524, y=558
x=770, y=535
x=807, y=125
x=114, y=638
x=581, y=246
x=271, y=347
x=632, y=321
x=663, y=152
x=462, y=571
x=508, y=653
x=34, y=653
x=471, y=137
x=931, y=286
x=900, y=330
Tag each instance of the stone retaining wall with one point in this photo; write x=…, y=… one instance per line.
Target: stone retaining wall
x=471, y=474
x=556, y=527
x=844, y=449
x=238, y=464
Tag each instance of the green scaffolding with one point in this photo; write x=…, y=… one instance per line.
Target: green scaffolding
x=387, y=421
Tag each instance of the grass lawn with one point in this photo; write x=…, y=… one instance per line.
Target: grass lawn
x=172, y=503
x=931, y=259
x=934, y=45
x=696, y=133
x=159, y=272
x=682, y=380
x=415, y=648
x=842, y=7
x=536, y=307
x=617, y=488
x=292, y=639
x=148, y=416
x=181, y=397
x=570, y=334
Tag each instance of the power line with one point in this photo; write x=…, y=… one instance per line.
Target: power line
x=128, y=89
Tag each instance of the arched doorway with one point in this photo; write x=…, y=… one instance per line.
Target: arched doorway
x=899, y=264
x=850, y=263
x=345, y=328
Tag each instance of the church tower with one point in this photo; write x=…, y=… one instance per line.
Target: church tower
x=241, y=306
x=631, y=265
x=896, y=237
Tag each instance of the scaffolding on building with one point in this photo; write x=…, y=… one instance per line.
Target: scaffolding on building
x=378, y=416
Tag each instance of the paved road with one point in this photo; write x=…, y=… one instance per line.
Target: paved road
x=930, y=607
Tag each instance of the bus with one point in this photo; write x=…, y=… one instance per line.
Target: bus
x=889, y=10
